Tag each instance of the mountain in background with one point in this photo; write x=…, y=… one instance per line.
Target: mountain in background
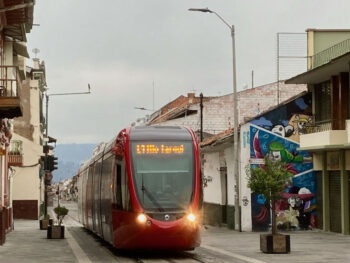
x=70, y=157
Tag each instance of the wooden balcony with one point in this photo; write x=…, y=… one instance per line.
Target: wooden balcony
x=15, y=160
x=15, y=153
x=10, y=84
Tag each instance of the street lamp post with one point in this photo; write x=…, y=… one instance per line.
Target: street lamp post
x=235, y=114
x=47, y=134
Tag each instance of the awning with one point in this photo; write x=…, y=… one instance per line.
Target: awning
x=20, y=49
x=324, y=72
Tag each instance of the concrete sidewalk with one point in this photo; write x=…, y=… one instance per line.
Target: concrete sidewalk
x=27, y=243
x=306, y=246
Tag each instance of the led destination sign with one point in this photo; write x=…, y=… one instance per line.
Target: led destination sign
x=159, y=149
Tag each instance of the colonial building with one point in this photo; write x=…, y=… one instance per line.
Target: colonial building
x=16, y=20
x=28, y=135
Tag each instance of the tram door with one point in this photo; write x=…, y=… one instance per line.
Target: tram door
x=223, y=179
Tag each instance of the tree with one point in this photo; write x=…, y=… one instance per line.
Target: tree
x=61, y=212
x=270, y=180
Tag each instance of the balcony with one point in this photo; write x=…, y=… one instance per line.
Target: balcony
x=10, y=84
x=331, y=53
x=15, y=160
x=15, y=153
x=322, y=137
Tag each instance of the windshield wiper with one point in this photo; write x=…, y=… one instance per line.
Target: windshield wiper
x=151, y=197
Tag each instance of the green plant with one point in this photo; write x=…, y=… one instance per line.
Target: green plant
x=46, y=217
x=60, y=212
x=270, y=180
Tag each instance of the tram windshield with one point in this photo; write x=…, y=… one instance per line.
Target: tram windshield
x=163, y=174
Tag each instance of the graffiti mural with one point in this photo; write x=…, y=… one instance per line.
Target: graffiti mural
x=276, y=135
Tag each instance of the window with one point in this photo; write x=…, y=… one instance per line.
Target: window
x=163, y=174
x=322, y=99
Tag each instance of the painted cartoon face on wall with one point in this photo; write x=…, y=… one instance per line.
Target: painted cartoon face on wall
x=284, y=131
x=275, y=155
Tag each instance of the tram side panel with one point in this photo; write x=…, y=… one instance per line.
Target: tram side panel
x=89, y=198
x=96, y=197
x=81, y=195
x=106, y=197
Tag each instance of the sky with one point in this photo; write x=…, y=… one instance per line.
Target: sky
x=147, y=53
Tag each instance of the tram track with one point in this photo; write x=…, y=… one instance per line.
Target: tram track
x=199, y=255
x=177, y=257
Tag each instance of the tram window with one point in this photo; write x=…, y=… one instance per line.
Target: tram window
x=125, y=193
x=118, y=189
x=163, y=179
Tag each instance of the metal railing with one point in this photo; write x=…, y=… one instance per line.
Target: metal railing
x=15, y=153
x=9, y=81
x=328, y=54
x=319, y=127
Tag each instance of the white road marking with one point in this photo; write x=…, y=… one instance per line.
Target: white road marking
x=77, y=250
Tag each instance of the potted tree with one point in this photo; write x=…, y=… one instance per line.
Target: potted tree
x=270, y=180
x=57, y=231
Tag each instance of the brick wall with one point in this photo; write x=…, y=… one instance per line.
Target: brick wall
x=218, y=111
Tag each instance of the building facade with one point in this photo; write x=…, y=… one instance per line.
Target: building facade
x=274, y=133
x=16, y=20
x=327, y=79
x=28, y=132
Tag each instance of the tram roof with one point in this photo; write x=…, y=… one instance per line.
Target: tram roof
x=160, y=133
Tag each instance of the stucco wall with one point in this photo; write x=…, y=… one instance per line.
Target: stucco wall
x=25, y=180
x=245, y=193
x=212, y=189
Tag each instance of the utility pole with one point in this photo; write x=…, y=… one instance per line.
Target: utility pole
x=235, y=117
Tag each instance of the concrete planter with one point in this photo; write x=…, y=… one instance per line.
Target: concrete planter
x=55, y=232
x=44, y=223
x=274, y=244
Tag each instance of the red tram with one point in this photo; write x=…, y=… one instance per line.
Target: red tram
x=143, y=190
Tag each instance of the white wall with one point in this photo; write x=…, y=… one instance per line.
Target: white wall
x=228, y=155
x=245, y=193
x=35, y=110
x=26, y=181
x=212, y=192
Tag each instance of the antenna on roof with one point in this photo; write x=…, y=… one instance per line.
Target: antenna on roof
x=36, y=51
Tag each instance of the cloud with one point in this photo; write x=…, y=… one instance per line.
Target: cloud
x=147, y=53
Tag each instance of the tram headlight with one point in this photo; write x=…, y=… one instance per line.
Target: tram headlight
x=191, y=217
x=141, y=218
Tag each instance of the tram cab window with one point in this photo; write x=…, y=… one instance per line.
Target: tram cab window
x=118, y=188
x=122, y=196
x=164, y=180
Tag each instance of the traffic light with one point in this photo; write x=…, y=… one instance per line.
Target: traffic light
x=54, y=163
x=51, y=163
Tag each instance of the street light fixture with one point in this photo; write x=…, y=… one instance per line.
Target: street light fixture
x=142, y=108
x=235, y=114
